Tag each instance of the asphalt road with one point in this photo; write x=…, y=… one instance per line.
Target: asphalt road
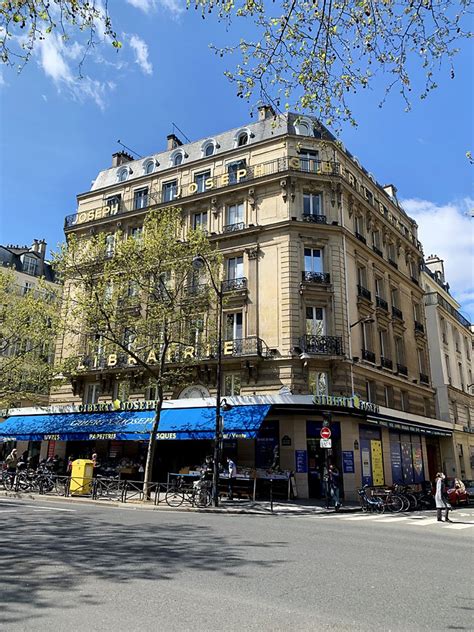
x=67, y=566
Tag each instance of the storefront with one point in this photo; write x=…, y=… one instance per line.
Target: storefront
x=369, y=445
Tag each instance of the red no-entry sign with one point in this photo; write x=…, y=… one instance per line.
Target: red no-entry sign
x=325, y=433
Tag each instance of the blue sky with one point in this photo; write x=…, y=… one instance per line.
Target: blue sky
x=58, y=131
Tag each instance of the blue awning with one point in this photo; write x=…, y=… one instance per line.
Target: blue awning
x=241, y=422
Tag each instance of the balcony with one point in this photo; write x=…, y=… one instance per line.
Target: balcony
x=250, y=346
x=419, y=327
x=232, y=228
x=322, y=345
x=386, y=363
x=424, y=379
x=393, y=263
x=397, y=313
x=316, y=277
x=415, y=280
x=402, y=369
x=314, y=219
x=381, y=303
x=377, y=251
x=363, y=292
x=233, y=285
x=367, y=355
x=361, y=237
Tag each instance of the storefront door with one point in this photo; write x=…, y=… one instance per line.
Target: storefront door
x=319, y=458
x=371, y=456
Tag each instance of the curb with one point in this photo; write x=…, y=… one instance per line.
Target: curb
x=279, y=511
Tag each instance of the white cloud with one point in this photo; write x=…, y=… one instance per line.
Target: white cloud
x=141, y=54
x=53, y=55
x=175, y=7
x=447, y=231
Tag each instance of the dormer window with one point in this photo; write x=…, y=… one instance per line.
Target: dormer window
x=242, y=138
x=123, y=174
x=177, y=158
x=30, y=265
x=304, y=127
x=149, y=167
x=208, y=148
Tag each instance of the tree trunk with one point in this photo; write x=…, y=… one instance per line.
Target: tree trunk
x=150, y=457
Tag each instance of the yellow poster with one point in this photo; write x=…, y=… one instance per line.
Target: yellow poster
x=377, y=462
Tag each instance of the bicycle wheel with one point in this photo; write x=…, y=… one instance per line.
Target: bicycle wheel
x=394, y=503
x=379, y=507
x=8, y=480
x=203, y=498
x=412, y=499
x=174, y=498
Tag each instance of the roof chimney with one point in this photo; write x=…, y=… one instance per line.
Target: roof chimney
x=173, y=142
x=35, y=246
x=42, y=248
x=436, y=265
x=120, y=158
x=265, y=112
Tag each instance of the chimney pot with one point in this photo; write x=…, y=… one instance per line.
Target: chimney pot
x=265, y=112
x=172, y=142
x=120, y=158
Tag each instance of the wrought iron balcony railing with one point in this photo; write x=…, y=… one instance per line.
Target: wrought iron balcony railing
x=368, y=355
x=393, y=263
x=316, y=277
x=377, y=251
x=381, y=303
x=386, y=363
x=402, y=369
x=360, y=237
x=232, y=228
x=364, y=292
x=313, y=218
x=322, y=345
x=397, y=313
x=232, y=285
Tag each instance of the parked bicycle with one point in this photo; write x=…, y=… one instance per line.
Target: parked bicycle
x=199, y=495
x=369, y=503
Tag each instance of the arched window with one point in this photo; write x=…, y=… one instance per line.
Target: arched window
x=123, y=174
x=209, y=150
x=304, y=127
x=176, y=158
x=149, y=167
x=242, y=139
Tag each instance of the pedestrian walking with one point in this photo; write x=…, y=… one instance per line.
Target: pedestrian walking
x=232, y=476
x=333, y=483
x=441, y=498
x=12, y=461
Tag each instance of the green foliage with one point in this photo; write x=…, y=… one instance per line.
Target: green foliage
x=23, y=23
x=134, y=298
x=312, y=55
x=28, y=326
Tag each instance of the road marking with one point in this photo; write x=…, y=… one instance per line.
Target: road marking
x=422, y=522
x=41, y=507
x=2, y=511
x=401, y=518
x=459, y=526
x=365, y=517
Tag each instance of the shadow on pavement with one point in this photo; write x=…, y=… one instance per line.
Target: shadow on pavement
x=44, y=558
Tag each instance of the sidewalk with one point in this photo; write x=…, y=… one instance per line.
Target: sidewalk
x=298, y=507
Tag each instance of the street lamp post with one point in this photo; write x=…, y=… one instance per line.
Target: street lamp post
x=199, y=262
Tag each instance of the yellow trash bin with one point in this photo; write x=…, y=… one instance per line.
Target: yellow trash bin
x=81, y=477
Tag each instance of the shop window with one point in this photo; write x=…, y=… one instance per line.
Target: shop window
x=232, y=384
x=318, y=383
x=267, y=443
x=406, y=458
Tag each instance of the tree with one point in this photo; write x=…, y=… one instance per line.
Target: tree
x=137, y=304
x=310, y=55
x=24, y=23
x=28, y=325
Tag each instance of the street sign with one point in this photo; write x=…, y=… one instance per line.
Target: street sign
x=325, y=443
x=325, y=433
